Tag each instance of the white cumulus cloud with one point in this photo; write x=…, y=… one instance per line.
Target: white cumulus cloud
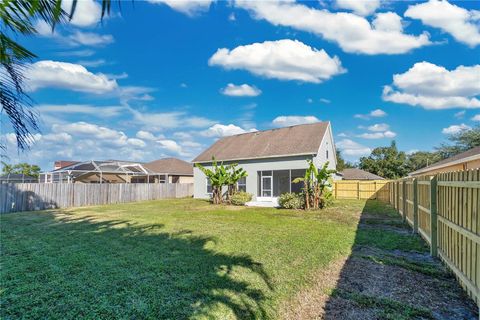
x=456, y=128
x=242, y=90
x=221, y=130
x=353, y=33
x=377, y=113
x=476, y=117
x=87, y=12
x=65, y=75
x=352, y=148
x=434, y=87
x=285, y=121
x=188, y=7
x=363, y=8
x=379, y=127
x=461, y=23
x=283, y=59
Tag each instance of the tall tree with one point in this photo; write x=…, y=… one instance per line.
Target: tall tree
x=421, y=159
x=386, y=162
x=341, y=163
x=22, y=168
x=462, y=141
x=18, y=18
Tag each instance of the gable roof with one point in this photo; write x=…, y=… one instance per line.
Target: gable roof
x=170, y=166
x=468, y=155
x=359, y=174
x=289, y=141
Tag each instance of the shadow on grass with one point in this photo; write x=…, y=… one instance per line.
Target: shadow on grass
x=57, y=266
x=390, y=275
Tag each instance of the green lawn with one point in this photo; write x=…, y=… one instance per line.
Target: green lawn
x=172, y=259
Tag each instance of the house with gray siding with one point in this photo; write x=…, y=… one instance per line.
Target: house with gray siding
x=273, y=159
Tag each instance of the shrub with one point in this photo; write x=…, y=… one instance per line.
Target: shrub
x=240, y=198
x=292, y=200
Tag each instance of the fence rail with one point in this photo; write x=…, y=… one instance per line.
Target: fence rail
x=445, y=210
x=39, y=196
x=361, y=189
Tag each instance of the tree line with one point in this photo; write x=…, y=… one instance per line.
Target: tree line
x=390, y=163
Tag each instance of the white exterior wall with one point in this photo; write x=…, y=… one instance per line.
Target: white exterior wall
x=327, y=144
x=252, y=167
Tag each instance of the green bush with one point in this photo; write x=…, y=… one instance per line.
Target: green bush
x=292, y=200
x=240, y=198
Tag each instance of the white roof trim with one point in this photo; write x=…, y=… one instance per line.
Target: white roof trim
x=446, y=164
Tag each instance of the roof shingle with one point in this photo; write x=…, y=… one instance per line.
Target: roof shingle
x=359, y=174
x=170, y=166
x=294, y=140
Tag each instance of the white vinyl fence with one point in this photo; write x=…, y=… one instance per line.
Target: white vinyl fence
x=39, y=196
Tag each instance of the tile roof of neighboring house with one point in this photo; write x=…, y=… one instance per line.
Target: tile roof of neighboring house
x=295, y=140
x=63, y=163
x=170, y=166
x=359, y=174
x=468, y=155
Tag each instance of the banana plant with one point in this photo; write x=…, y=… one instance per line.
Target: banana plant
x=322, y=178
x=218, y=177
x=314, y=183
x=235, y=174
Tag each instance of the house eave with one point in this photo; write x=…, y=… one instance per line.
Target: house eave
x=263, y=157
x=448, y=164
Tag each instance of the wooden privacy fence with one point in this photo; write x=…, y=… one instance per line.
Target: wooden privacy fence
x=39, y=196
x=361, y=189
x=445, y=210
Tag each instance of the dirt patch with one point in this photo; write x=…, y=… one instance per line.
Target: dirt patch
x=393, y=228
x=310, y=303
x=379, y=284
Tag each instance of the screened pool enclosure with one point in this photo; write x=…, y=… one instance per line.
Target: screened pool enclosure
x=104, y=172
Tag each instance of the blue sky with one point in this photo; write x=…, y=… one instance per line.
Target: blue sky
x=167, y=78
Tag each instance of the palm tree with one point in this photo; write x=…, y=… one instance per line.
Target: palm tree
x=18, y=18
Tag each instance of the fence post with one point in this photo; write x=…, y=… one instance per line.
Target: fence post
x=415, y=206
x=404, y=200
x=433, y=216
x=397, y=198
x=375, y=189
x=358, y=190
x=335, y=185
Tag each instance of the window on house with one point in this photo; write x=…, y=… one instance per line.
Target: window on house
x=326, y=153
x=242, y=184
x=162, y=179
x=209, y=186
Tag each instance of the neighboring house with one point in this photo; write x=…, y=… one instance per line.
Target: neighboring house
x=271, y=158
x=358, y=174
x=469, y=159
x=63, y=163
x=17, y=178
x=176, y=170
x=115, y=171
